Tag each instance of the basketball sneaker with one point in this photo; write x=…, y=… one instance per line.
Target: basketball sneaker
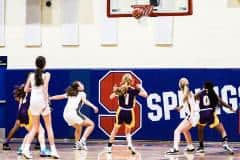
x=19, y=151
x=45, y=153
x=132, y=149
x=54, y=155
x=108, y=149
x=189, y=148
x=77, y=146
x=228, y=148
x=83, y=145
x=172, y=151
x=27, y=154
x=6, y=147
x=200, y=150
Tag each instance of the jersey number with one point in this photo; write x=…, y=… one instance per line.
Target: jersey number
x=206, y=101
x=126, y=96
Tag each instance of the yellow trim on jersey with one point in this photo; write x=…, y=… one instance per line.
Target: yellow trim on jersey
x=202, y=124
x=117, y=115
x=132, y=124
x=29, y=125
x=215, y=122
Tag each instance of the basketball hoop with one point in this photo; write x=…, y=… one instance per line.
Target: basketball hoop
x=141, y=10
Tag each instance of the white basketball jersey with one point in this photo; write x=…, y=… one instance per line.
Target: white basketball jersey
x=191, y=103
x=74, y=102
x=36, y=91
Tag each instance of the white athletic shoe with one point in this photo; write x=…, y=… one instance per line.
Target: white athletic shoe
x=45, y=153
x=200, y=150
x=189, y=148
x=77, y=146
x=19, y=151
x=172, y=151
x=228, y=148
x=27, y=154
x=83, y=145
x=132, y=149
x=108, y=149
x=54, y=155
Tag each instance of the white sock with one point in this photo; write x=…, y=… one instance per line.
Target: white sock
x=53, y=148
x=26, y=147
x=175, y=145
x=129, y=139
x=83, y=140
x=42, y=146
x=176, y=140
x=22, y=146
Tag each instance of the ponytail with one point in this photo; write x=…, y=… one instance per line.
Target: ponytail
x=38, y=77
x=40, y=64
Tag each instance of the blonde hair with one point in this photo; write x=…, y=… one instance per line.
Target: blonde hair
x=127, y=79
x=183, y=82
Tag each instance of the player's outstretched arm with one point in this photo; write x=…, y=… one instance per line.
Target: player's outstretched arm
x=88, y=103
x=115, y=92
x=143, y=92
x=197, y=95
x=178, y=108
x=222, y=103
x=113, y=95
x=27, y=87
x=58, y=97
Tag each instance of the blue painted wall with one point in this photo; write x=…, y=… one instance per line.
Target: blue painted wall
x=156, y=81
x=3, y=67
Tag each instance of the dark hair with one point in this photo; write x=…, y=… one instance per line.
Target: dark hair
x=18, y=92
x=211, y=93
x=40, y=64
x=73, y=90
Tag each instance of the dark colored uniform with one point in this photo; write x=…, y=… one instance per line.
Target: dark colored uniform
x=125, y=113
x=24, y=115
x=207, y=111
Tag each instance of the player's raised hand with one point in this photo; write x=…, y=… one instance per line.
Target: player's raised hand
x=115, y=87
x=138, y=86
x=95, y=109
x=178, y=108
x=234, y=110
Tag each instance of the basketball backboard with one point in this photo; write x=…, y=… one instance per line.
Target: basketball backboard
x=123, y=8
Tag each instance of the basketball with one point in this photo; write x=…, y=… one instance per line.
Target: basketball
x=137, y=13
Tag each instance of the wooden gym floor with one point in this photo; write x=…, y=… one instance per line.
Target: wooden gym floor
x=146, y=151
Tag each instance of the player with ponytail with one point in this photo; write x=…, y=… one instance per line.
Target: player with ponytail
x=37, y=84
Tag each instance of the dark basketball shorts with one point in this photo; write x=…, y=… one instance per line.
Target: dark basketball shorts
x=25, y=120
x=208, y=117
x=125, y=116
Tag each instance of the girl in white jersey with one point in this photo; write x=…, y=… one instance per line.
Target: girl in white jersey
x=72, y=115
x=37, y=84
x=190, y=121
